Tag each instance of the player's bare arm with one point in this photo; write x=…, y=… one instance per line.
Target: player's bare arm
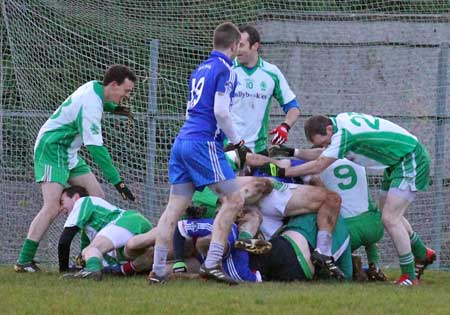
x=310, y=168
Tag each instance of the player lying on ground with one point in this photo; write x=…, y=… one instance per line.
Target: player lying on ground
x=277, y=201
x=291, y=257
x=377, y=143
x=305, y=199
x=361, y=215
x=106, y=226
x=247, y=224
x=198, y=230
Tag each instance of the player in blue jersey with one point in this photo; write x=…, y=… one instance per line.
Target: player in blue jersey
x=235, y=262
x=197, y=158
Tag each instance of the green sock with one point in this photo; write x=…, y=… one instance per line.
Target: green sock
x=243, y=235
x=94, y=264
x=28, y=251
x=407, y=265
x=418, y=247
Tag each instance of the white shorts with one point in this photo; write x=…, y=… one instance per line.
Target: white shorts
x=274, y=204
x=119, y=236
x=269, y=226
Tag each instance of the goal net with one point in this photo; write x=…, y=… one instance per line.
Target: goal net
x=386, y=58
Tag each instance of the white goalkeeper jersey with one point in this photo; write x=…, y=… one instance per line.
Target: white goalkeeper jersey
x=369, y=141
x=251, y=103
x=77, y=121
x=349, y=180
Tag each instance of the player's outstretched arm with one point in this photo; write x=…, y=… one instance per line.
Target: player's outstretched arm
x=304, y=154
x=102, y=158
x=309, y=168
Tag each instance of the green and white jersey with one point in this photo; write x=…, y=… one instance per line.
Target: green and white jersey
x=349, y=180
x=252, y=98
x=369, y=141
x=77, y=121
x=92, y=214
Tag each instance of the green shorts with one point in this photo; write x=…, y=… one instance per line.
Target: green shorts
x=365, y=229
x=46, y=172
x=412, y=172
x=134, y=222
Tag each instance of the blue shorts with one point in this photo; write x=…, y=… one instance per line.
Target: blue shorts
x=198, y=161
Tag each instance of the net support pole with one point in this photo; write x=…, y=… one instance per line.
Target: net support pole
x=2, y=80
x=152, y=112
x=440, y=136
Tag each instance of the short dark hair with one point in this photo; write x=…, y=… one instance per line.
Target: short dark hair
x=118, y=73
x=225, y=35
x=316, y=125
x=253, y=34
x=72, y=190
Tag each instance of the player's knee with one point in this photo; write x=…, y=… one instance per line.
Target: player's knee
x=264, y=185
x=171, y=215
x=96, y=191
x=389, y=220
x=131, y=245
x=235, y=200
x=333, y=200
x=51, y=209
x=100, y=193
x=91, y=251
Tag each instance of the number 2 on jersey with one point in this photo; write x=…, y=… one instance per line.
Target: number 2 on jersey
x=196, y=92
x=357, y=118
x=348, y=174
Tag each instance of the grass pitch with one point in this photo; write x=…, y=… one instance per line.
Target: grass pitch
x=46, y=293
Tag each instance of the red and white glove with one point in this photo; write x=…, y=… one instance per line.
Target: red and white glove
x=280, y=133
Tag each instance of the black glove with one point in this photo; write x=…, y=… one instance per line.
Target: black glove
x=124, y=191
x=241, y=152
x=281, y=150
x=375, y=274
x=273, y=170
x=123, y=111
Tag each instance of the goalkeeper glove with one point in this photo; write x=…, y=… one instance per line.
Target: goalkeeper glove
x=280, y=133
x=281, y=150
x=124, y=191
x=117, y=109
x=273, y=170
x=241, y=152
x=80, y=262
x=375, y=274
x=123, y=111
x=179, y=267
